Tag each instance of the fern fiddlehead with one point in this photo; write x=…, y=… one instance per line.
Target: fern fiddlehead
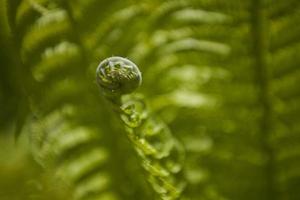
x=160, y=153
x=117, y=76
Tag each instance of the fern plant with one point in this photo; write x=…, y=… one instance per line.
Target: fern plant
x=162, y=156
x=221, y=76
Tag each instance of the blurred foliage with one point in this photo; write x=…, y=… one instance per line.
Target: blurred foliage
x=22, y=178
x=222, y=74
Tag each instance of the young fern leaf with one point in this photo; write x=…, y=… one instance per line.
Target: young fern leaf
x=161, y=154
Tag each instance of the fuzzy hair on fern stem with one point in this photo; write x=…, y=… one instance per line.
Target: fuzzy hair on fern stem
x=161, y=155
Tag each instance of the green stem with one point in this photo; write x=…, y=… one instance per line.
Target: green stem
x=160, y=153
x=259, y=26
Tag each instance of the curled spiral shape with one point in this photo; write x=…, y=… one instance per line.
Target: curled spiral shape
x=161, y=155
x=118, y=76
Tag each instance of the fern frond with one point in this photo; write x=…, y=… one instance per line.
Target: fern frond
x=222, y=73
x=161, y=155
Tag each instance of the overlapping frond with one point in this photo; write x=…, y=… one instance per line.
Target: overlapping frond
x=223, y=76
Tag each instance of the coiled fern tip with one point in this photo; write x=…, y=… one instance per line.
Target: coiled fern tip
x=117, y=76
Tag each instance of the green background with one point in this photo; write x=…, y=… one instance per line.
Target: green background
x=222, y=74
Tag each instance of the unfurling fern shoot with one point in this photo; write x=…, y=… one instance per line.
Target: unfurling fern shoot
x=160, y=153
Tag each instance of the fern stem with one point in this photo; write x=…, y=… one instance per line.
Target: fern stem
x=160, y=153
x=259, y=26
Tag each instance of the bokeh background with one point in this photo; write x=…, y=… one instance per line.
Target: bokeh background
x=222, y=74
